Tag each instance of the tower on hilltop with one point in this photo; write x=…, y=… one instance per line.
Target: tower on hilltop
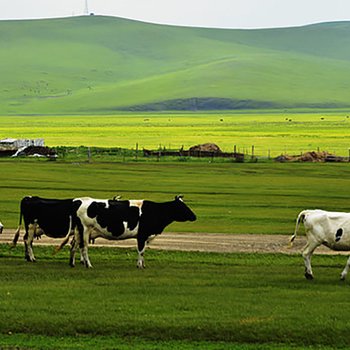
x=86, y=9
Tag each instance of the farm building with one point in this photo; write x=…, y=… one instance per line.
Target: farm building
x=15, y=147
x=15, y=144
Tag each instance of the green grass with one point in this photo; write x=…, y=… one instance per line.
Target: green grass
x=182, y=299
x=270, y=133
x=102, y=64
x=227, y=197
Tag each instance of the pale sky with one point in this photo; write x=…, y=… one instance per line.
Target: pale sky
x=200, y=13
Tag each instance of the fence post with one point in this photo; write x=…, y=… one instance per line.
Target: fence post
x=137, y=150
x=89, y=154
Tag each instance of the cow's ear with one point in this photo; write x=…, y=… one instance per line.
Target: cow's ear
x=179, y=197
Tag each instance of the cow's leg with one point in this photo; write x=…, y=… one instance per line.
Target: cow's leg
x=77, y=238
x=73, y=248
x=25, y=240
x=346, y=270
x=84, y=243
x=28, y=242
x=307, y=253
x=141, y=247
x=76, y=242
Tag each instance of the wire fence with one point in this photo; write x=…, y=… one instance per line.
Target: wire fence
x=92, y=154
x=204, y=152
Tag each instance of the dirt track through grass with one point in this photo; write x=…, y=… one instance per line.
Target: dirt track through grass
x=202, y=242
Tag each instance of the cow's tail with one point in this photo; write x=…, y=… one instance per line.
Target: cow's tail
x=66, y=239
x=300, y=219
x=63, y=243
x=18, y=231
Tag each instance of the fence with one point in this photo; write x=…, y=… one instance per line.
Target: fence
x=90, y=154
x=239, y=157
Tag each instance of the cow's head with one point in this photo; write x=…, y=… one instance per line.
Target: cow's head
x=181, y=211
x=1, y=227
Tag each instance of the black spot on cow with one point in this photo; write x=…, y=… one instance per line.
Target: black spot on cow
x=129, y=214
x=113, y=216
x=338, y=235
x=53, y=216
x=94, y=209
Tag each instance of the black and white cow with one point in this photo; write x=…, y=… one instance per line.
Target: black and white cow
x=123, y=219
x=1, y=227
x=331, y=229
x=55, y=218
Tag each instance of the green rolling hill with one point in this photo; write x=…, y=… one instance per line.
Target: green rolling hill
x=98, y=64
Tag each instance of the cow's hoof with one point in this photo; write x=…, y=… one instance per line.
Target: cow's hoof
x=309, y=276
x=342, y=277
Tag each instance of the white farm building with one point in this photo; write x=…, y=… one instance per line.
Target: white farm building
x=16, y=144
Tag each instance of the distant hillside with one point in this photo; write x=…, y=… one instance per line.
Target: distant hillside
x=97, y=64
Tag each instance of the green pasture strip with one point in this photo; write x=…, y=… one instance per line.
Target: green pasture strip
x=181, y=298
x=270, y=133
x=227, y=197
x=93, y=342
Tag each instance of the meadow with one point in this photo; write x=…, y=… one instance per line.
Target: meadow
x=227, y=197
x=181, y=301
x=72, y=82
x=270, y=133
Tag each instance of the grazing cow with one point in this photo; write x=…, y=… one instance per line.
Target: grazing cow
x=123, y=219
x=331, y=229
x=1, y=227
x=55, y=218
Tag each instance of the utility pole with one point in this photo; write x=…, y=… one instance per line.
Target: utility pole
x=86, y=10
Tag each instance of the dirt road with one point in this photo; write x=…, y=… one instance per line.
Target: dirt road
x=204, y=242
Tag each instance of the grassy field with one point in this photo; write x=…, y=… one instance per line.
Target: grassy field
x=96, y=64
x=270, y=133
x=227, y=197
x=182, y=300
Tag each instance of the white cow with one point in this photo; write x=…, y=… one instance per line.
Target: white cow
x=331, y=229
x=1, y=227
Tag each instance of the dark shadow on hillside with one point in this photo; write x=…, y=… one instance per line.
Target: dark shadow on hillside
x=201, y=104
x=216, y=104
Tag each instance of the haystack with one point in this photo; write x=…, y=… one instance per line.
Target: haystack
x=206, y=147
x=305, y=157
